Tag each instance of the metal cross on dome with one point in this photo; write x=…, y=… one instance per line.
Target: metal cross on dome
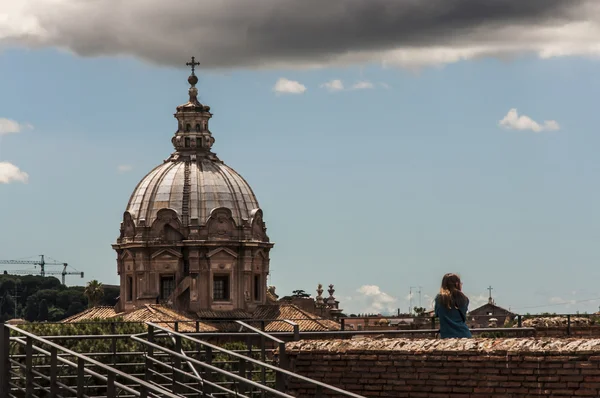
x=193, y=64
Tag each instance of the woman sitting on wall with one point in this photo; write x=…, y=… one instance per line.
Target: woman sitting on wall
x=451, y=307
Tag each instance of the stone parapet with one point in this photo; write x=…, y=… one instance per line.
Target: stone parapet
x=474, y=368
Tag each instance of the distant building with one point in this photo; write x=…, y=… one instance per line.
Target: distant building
x=489, y=315
x=324, y=307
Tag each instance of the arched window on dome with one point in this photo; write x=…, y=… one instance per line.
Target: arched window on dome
x=197, y=127
x=188, y=128
x=187, y=142
x=198, y=142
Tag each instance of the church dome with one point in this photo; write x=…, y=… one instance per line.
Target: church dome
x=192, y=190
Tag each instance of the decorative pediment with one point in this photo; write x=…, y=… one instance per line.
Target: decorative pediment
x=166, y=254
x=222, y=249
x=127, y=255
x=220, y=224
x=167, y=226
x=258, y=260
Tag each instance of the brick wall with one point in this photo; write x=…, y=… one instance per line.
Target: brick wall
x=470, y=368
x=576, y=331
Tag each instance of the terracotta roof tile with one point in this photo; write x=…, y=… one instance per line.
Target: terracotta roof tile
x=156, y=313
x=274, y=316
x=306, y=321
x=100, y=312
x=234, y=314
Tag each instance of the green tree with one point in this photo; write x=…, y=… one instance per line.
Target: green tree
x=94, y=293
x=31, y=309
x=43, y=311
x=300, y=293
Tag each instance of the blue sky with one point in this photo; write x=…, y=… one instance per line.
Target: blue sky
x=374, y=189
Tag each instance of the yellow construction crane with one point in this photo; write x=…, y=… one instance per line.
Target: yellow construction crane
x=42, y=263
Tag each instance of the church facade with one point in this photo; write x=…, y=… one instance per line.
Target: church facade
x=193, y=234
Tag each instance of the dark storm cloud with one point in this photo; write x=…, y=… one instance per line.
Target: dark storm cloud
x=272, y=33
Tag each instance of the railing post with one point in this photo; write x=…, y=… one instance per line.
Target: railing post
x=433, y=322
x=263, y=358
x=198, y=356
x=568, y=325
x=110, y=385
x=80, y=377
x=296, y=332
x=28, y=367
x=176, y=364
x=343, y=324
x=242, y=373
x=519, y=321
x=4, y=360
x=319, y=392
x=283, y=364
x=207, y=372
x=53, y=372
x=149, y=354
x=113, y=342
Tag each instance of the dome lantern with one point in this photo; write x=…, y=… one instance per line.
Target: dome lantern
x=193, y=137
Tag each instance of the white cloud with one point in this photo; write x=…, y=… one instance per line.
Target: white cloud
x=362, y=85
x=373, y=300
x=285, y=86
x=124, y=168
x=514, y=121
x=8, y=126
x=11, y=173
x=476, y=301
x=333, y=85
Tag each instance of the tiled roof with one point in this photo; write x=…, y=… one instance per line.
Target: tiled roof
x=166, y=317
x=155, y=313
x=274, y=316
x=234, y=314
x=101, y=312
x=306, y=321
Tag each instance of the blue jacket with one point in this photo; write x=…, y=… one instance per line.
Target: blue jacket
x=452, y=323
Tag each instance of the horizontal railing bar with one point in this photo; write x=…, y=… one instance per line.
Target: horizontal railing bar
x=214, y=368
x=208, y=382
x=275, y=368
x=260, y=332
x=86, y=370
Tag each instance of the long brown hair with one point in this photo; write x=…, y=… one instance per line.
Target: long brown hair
x=451, y=295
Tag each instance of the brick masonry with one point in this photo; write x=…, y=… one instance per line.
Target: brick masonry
x=469, y=368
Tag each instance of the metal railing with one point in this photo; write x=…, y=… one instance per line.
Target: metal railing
x=245, y=377
x=106, y=361
x=45, y=369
